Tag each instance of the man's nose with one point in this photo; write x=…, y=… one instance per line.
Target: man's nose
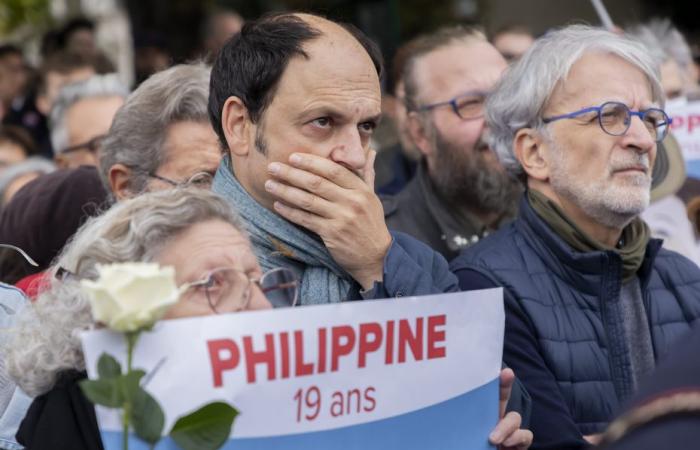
x=639, y=136
x=350, y=151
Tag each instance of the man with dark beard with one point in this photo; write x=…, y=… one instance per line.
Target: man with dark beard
x=460, y=191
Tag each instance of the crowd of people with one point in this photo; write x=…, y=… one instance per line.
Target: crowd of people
x=519, y=162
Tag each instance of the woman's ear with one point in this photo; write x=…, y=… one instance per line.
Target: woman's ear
x=236, y=124
x=531, y=149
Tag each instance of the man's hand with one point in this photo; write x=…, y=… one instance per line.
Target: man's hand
x=507, y=434
x=335, y=203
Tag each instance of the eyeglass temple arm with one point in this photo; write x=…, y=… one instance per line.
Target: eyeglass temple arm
x=571, y=115
x=21, y=252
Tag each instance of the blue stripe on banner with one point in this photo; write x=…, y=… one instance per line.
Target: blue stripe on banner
x=463, y=422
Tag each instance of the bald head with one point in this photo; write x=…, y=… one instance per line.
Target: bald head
x=251, y=64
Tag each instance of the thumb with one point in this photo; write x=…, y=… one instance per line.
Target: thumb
x=369, y=174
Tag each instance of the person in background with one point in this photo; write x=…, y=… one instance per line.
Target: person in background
x=218, y=27
x=78, y=36
x=13, y=402
x=162, y=136
x=81, y=116
x=16, y=145
x=668, y=46
x=460, y=191
x=192, y=230
x=57, y=70
x=13, y=78
x=665, y=412
x=16, y=177
x=592, y=301
x=513, y=41
x=396, y=165
x=42, y=217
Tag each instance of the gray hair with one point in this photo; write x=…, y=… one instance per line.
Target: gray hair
x=522, y=94
x=180, y=93
x=46, y=342
x=664, y=41
x=35, y=164
x=96, y=86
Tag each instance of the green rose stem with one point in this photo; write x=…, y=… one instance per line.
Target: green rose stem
x=131, y=338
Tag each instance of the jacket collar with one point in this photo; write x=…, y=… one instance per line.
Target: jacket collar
x=580, y=268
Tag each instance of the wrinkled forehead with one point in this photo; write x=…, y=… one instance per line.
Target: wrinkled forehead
x=603, y=76
x=336, y=67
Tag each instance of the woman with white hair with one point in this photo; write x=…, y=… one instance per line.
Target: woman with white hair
x=191, y=230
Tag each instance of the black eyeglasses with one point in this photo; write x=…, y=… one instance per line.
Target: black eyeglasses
x=200, y=180
x=227, y=289
x=615, y=119
x=467, y=106
x=93, y=145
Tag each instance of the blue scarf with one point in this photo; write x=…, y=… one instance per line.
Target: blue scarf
x=279, y=243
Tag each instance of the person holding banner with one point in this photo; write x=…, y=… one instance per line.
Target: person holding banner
x=294, y=100
x=192, y=230
x=200, y=236
x=592, y=302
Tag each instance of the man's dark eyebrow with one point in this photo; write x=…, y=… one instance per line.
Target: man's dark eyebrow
x=376, y=119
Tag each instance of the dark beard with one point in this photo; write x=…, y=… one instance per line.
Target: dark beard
x=471, y=181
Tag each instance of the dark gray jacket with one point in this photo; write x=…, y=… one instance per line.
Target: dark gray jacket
x=418, y=211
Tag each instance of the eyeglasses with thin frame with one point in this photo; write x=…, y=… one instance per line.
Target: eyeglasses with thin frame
x=227, y=289
x=93, y=145
x=467, y=106
x=615, y=118
x=200, y=179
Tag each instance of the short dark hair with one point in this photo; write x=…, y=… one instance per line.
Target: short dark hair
x=65, y=62
x=10, y=49
x=252, y=62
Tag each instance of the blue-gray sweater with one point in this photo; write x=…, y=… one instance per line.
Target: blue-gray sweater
x=564, y=334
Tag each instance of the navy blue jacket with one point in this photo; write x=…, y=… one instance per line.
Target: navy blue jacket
x=564, y=336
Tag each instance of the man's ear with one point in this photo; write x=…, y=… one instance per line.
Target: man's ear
x=420, y=134
x=120, y=182
x=530, y=150
x=236, y=124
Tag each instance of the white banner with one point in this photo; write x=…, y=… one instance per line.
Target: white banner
x=401, y=373
x=686, y=129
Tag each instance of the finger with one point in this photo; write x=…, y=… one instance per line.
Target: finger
x=302, y=218
x=369, y=172
x=504, y=428
x=521, y=439
x=505, y=387
x=299, y=198
x=305, y=180
x=324, y=167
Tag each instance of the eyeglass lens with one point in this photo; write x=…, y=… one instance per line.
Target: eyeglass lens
x=280, y=286
x=227, y=290
x=615, y=119
x=201, y=180
x=469, y=106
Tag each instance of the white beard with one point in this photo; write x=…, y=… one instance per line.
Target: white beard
x=609, y=199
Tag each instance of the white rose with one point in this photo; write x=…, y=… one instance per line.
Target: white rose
x=131, y=296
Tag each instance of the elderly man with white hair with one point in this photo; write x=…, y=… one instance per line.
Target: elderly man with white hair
x=81, y=116
x=592, y=302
